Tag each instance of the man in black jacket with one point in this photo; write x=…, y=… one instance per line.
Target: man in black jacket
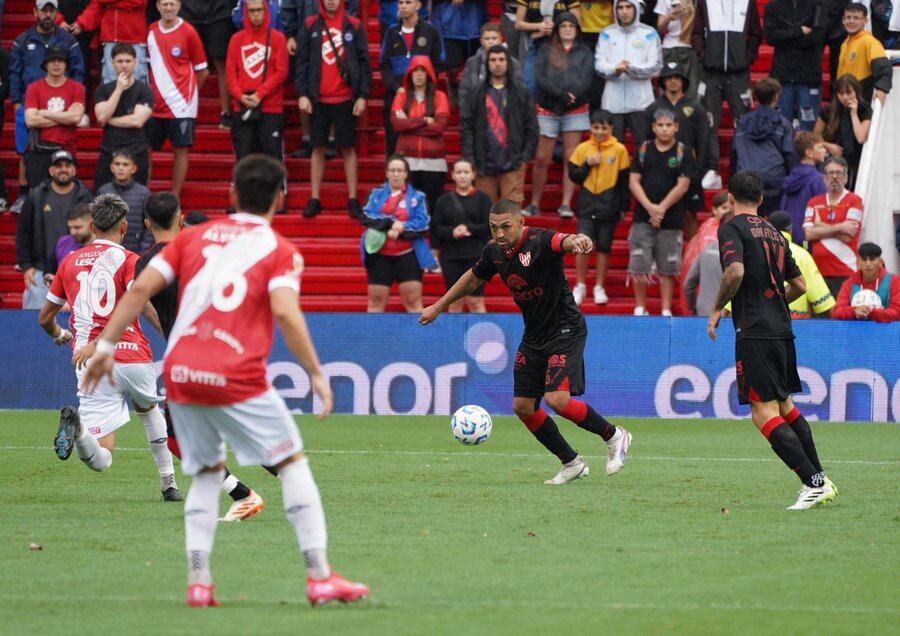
x=726, y=37
x=411, y=36
x=693, y=132
x=43, y=221
x=796, y=28
x=499, y=130
x=333, y=82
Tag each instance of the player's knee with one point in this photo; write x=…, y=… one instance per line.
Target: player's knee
x=523, y=408
x=557, y=400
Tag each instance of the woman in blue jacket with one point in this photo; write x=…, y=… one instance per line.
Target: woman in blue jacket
x=393, y=246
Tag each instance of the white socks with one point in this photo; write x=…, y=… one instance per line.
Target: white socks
x=303, y=508
x=155, y=427
x=90, y=452
x=201, y=514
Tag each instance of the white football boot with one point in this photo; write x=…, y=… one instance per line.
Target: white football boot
x=617, y=450
x=812, y=497
x=575, y=469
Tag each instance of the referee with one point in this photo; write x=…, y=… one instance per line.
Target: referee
x=761, y=279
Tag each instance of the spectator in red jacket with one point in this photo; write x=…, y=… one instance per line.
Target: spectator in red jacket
x=119, y=21
x=871, y=293
x=256, y=67
x=419, y=115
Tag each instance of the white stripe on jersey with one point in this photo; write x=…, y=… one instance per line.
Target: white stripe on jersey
x=841, y=251
x=224, y=265
x=99, y=282
x=166, y=85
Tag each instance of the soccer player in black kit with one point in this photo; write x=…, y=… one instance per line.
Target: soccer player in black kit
x=761, y=279
x=550, y=360
x=164, y=220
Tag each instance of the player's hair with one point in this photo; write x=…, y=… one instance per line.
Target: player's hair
x=805, y=141
x=839, y=161
x=490, y=26
x=746, y=187
x=505, y=206
x=497, y=48
x=766, y=90
x=195, y=217
x=107, y=210
x=162, y=209
x=257, y=180
x=780, y=220
x=396, y=157
x=78, y=211
x=123, y=47
x=125, y=154
x=664, y=113
x=601, y=116
x=857, y=7
x=463, y=160
x=719, y=199
x=869, y=250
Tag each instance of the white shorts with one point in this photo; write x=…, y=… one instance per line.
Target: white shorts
x=105, y=410
x=260, y=431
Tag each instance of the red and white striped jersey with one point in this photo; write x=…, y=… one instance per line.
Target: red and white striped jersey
x=832, y=255
x=175, y=57
x=92, y=280
x=223, y=333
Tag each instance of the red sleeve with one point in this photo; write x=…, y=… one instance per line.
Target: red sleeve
x=128, y=269
x=89, y=19
x=441, y=115
x=731, y=247
x=278, y=66
x=32, y=97
x=287, y=265
x=842, y=310
x=77, y=93
x=405, y=124
x=195, y=47
x=891, y=313
x=233, y=69
x=556, y=241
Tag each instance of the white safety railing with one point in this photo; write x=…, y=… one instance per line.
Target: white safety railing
x=878, y=179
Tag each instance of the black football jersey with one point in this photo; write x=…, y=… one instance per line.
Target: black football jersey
x=533, y=272
x=759, y=308
x=165, y=302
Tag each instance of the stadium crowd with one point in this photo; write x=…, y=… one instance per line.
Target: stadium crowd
x=563, y=80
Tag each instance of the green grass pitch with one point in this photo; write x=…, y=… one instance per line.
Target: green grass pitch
x=692, y=537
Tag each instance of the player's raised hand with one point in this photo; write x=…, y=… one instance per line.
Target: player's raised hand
x=100, y=365
x=429, y=315
x=713, y=324
x=322, y=390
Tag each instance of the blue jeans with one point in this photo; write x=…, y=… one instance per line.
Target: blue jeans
x=528, y=68
x=800, y=102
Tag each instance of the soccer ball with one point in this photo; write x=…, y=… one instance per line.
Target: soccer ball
x=866, y=298
x=471, y=425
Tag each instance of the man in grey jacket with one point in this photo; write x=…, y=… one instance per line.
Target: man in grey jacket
x=138, y=237
x=475, y=70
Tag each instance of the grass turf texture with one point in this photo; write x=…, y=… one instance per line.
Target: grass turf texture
x=456, y=539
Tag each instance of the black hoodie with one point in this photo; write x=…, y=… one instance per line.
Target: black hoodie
x=798, y=56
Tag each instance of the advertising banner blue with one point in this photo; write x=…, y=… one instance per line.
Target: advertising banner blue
x=641, y=367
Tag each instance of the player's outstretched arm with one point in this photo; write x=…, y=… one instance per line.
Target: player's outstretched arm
x=577, y=244
x=286, y=309
x=47, y=320
x=148, y=284
x=731, y=281
x=466, y=284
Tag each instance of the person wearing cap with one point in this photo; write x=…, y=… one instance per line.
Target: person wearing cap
x=693, y=132
x=817, y=299
x=43, y=221
x=25, y=67
x=628, y=56
x=53, y=108
x=675, y=22
x=882, y=302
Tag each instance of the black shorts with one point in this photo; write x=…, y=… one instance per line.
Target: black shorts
x=557, y=365
x=37, y=167
x=600, y=232
x=453, y=271
x=384, y=270
x=766, y=370
x=179, y=131
x=215, y=37
x=339, y=115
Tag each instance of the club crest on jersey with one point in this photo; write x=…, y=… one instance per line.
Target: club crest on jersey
x=176, y=51
x=254, y=56
x=525, y=259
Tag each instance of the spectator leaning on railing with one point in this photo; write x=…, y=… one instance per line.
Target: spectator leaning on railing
x=871, y=293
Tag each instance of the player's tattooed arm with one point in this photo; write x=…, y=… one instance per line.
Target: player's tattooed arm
x=731, y=282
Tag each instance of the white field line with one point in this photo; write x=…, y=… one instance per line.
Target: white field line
x=482, y=453
x=485, y=603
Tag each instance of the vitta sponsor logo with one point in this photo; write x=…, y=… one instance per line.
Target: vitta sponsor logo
x=181, y=374
x=127, y=346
